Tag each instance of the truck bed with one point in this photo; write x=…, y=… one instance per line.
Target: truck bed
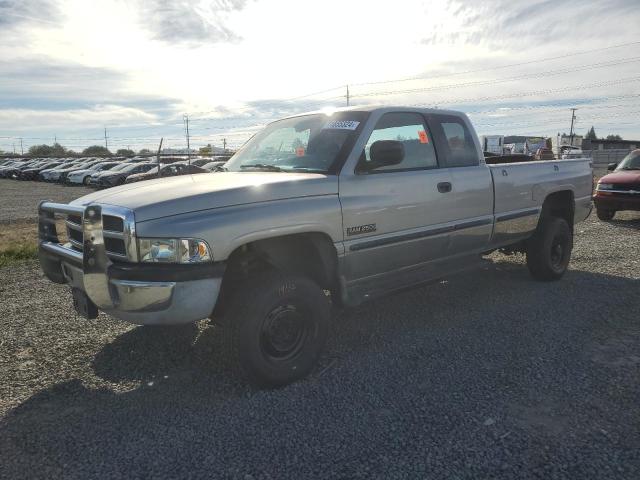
x=521, y=188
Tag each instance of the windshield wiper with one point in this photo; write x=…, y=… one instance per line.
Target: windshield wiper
x=263, y=166
x=630, y=168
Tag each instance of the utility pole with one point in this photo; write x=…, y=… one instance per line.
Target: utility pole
x=106, y=142
x=347, y=95
x=185, y=119
x=224, y=145
x=158, y=157
x=573, y=117
x=21, y=149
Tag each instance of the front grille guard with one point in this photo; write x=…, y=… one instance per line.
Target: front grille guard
x=92, y=257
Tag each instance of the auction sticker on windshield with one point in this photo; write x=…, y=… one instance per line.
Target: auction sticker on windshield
x=342, y=125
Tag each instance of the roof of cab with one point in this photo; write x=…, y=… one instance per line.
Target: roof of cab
x=382, y=108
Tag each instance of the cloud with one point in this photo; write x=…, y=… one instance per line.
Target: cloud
x=513, y=26
x=97, y=115
x=42, y=83
x=189, y=21
x=15, y=12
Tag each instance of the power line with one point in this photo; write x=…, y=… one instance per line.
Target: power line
x=487, y=69
x=501, y=80
x=454, y=101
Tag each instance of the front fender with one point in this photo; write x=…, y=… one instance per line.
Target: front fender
x=225, y=229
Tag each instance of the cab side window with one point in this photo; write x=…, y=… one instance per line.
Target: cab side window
x=455, y=142
x=410, y=129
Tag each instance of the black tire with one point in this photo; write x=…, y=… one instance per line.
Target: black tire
x=276, y=328
x=605, y=214
x=549, y=249
x=86, y=180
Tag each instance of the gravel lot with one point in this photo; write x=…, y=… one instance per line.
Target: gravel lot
x=487, y=375
x=20, y=199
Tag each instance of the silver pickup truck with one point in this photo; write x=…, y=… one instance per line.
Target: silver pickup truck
x=316, y=211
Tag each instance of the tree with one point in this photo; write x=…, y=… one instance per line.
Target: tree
x=96, y=150
x=125, y=152
x=614, y=137
x=144, y=151
x=591, y=134
x=55, y=150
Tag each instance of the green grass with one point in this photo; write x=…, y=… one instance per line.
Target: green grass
x=18, y=254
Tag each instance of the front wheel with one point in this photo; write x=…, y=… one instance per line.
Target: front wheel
x=86, y=180
x=278, y=325
x=605, y=214
x=549, y=249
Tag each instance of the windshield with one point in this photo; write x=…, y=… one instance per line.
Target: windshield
x=313, y=143
x=103, y=166
x=120, y=166
x=631, y=161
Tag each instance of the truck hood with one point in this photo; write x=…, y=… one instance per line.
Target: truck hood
x=164, y=197
x=622, y=176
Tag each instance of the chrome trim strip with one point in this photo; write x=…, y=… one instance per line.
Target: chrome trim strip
x=64, y=252
x=75, y=243
x=95, y=264
x=422, y=234
x=630, y=192
x=74, y=226
x=133, y=296
x=128, y=235
x=474, y=223
x=61, y=208
x=400, y=238
x=513, y=216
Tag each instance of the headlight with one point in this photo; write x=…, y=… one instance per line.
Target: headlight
x=174, y=250
x=605, y=186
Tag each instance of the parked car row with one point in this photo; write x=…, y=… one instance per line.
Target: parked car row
x=102, y=172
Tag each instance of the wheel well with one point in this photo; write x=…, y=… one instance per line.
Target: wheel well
x=309, y=254
x=559, y=204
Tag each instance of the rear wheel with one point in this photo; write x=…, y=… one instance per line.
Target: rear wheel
x=549, y=249
x=277, y=327
x=86, y=180
x=605, y=214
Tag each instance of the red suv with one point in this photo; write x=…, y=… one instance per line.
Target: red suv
x=619, y=190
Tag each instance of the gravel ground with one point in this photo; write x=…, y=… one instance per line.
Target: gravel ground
x=487, y=375
x=20, y=199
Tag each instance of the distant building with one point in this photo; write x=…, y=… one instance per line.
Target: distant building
x=603, y=144
x=523, y=144
x=564, y=140
x=493, y=143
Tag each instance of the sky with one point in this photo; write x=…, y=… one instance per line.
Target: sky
x=69, y=69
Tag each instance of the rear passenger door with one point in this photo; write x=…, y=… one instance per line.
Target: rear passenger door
x=394, y=216
x=472, y=186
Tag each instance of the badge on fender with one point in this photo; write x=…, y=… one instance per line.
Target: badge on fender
x=360, y=229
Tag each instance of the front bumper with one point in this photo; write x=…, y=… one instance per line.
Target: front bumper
x=617, y=200
x=143, y=294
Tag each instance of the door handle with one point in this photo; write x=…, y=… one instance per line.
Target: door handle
x=444, y=187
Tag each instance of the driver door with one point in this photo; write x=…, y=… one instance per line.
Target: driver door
x=395, y=217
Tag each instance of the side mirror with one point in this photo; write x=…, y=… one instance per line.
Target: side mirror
x=384, y=153
x=612, y=166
